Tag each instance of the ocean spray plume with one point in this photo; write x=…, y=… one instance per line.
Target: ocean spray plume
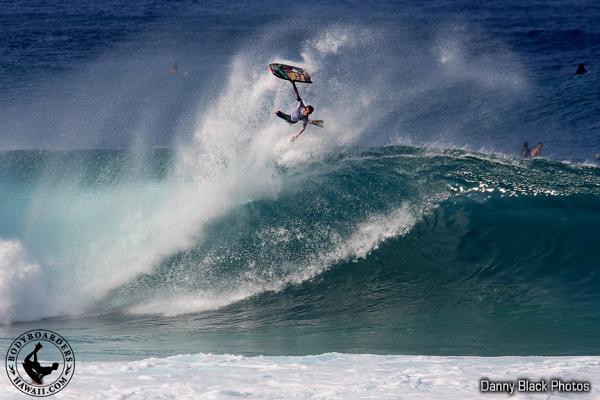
x=239, y=140
x=23, y=294
x=89, y=237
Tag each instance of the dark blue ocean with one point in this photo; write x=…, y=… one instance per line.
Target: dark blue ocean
x=151, y=203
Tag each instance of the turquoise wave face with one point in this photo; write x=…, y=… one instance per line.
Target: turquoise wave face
x=390, y=250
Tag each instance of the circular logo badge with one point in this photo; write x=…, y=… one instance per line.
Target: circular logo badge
x=40, y=363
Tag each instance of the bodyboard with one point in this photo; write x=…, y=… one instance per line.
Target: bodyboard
x=537, y=149
x=290, y=73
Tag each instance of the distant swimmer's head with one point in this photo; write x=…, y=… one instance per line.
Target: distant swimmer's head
x=308, y=110
x=525, y=144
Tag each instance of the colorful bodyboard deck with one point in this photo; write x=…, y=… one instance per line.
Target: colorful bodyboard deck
x=290, y=73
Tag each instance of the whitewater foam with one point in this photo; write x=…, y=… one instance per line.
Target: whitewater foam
x=325, y=376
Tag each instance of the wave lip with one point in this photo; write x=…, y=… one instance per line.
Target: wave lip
x=366, y=237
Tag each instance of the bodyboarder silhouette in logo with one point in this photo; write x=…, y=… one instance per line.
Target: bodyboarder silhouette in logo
x=33, y=368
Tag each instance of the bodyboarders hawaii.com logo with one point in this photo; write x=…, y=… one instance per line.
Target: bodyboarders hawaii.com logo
x=40, y=363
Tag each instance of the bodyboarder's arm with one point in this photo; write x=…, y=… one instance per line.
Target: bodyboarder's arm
x=294, y=137
x=296, y=92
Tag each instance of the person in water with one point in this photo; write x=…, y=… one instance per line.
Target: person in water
x=580, y=70
x=525, y=150
x=300, y=113
x=536, y=151
x=33, y=368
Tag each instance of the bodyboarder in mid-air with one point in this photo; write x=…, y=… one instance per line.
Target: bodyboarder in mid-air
x=300, y=113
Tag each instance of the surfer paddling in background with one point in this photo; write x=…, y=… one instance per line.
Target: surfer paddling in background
x=302, y=111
